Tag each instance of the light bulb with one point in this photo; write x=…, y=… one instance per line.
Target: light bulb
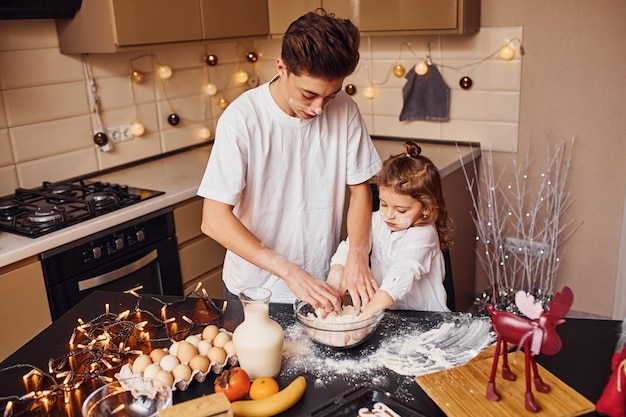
x=399, y=70
x=204, y=132
x=241, y=76
x=369, y=92
x=222, y=103
x=421, y=68
x=136, y=77
x=507, y=52
x=210, y=89
x=164, y=72
x=211, y=60
x=136, y=129
x=252, y=56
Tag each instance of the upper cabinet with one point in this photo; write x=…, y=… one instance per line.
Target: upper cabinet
x=391, y=17
x=102, y=26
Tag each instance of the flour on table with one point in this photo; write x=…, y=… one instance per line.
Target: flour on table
x=416, y=349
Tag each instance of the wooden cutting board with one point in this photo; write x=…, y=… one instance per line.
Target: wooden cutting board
x=460, y=391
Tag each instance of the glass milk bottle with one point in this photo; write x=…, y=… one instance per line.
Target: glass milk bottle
x=258, y=339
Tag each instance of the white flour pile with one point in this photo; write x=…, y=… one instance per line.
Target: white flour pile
x=416, y=349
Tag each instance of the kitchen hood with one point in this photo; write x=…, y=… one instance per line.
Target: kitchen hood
x=38, y=9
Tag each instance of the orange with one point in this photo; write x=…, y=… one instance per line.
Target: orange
x=263, y=387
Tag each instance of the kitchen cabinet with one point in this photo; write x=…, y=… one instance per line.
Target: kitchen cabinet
x=23, y=304
x=392, y=17
x=103, y=26
x=201, y=258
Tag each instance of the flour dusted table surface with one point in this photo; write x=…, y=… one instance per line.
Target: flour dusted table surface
x=583, y=363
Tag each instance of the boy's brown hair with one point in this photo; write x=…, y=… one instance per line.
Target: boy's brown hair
x=321, y=45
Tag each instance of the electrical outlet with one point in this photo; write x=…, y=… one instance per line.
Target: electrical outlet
x=119, y=133
x=527, y=247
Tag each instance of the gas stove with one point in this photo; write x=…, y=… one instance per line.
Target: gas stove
x=54, y=206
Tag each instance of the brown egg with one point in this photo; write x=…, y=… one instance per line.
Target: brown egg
x=199, y=363
x=140, y=363
x=182, y=371
x=186, y=351
x=217, y=355
x=210, y=332
x=157, y=354
x=221, y=339
x=166, y=377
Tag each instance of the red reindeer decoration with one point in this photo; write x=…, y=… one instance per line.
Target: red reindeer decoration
x=535, y=334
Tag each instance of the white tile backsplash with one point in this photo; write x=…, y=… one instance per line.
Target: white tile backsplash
x=47, y=106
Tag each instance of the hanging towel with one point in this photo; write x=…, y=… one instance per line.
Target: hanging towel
x=426, y=97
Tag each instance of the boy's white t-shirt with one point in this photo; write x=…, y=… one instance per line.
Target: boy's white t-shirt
x=407, y=264
x=286, y=178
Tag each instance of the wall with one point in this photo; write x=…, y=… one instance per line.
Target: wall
x=573, y=85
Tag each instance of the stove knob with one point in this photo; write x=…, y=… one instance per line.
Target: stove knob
x=97, y=252
x=140, y=235
x=119, y=243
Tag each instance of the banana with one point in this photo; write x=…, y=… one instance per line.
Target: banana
x=274, y=404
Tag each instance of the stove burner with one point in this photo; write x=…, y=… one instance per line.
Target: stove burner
x=102, y=199
x=53, y=206
x=44, y=216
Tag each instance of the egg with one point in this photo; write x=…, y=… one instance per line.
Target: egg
x=210, y=332
x=203, y=347
x=157, y=354
x=221, y=339
x=140, y=363
x=217, y=354
x=174, y=348
x=186, y=351
x=229, y=347
x=166, y=377
x=151, y=370
x=193, y=339
x=182, y=371
x=169, y=362
x=199, y=363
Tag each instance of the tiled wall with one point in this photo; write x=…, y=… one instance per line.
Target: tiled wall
x=46, y=111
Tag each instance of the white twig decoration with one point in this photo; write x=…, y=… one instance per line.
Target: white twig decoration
x=533, y=218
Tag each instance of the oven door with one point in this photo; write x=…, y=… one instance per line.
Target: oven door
x=149, y=265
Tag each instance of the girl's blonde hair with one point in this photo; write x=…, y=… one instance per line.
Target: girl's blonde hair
x=414, y=175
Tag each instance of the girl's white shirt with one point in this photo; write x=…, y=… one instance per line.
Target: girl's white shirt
x=286, y=178
x=407, y=264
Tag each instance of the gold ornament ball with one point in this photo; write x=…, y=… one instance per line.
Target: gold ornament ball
x=137, y=77
x=399, y=70
x=222, y=103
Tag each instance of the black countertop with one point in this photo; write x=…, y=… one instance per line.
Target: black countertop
x=583, y=363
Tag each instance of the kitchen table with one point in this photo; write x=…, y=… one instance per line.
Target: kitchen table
x=583, y=362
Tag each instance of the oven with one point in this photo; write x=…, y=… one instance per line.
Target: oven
x=140, y=255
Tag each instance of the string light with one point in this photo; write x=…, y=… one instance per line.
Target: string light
x=369, y=92
x=507, y=52
x=252, y=57
x=136, y=129
x=164, y=72
x=240, y=76
x=102, y=350
x=211, y=60
x=399, y=70
x=210, y=89
x=137, y=76
x=421, y=68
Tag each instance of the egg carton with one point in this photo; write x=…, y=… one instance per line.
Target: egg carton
x=126, y=371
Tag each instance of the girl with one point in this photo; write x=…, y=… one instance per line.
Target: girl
x=407, y=237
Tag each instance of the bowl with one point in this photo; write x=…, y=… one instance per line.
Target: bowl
x=336, y=334
x=130, y=397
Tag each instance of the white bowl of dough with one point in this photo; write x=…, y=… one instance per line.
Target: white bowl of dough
x=338, y=329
